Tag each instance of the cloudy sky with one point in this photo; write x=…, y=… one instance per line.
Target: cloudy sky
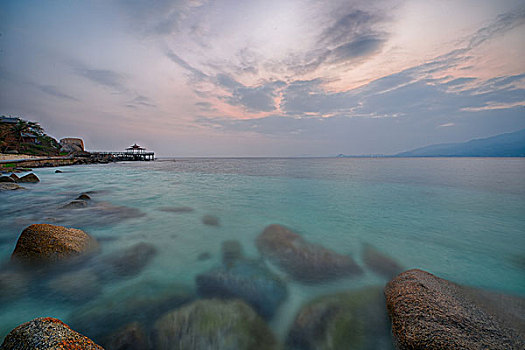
x=265, y=78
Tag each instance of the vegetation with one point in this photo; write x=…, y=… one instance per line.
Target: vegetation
x=26, y=137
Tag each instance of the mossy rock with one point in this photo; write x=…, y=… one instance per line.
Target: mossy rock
x=342, y=321
x=213, y=324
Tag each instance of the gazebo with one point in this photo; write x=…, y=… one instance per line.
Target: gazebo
x=135, y=149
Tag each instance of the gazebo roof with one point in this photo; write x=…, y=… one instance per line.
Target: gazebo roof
x=135, y=146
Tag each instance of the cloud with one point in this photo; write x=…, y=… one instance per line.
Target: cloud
x=140, y=101
x=54, y=91
x=104, y=77
x=196, y=73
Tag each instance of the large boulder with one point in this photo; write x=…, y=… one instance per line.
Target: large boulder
x=7, y=179
x=44, y=243
x=46, y=333
x=245, y=279
x=71, y=145
x=346, y=320
x=213, y=324
x=304, y=261
x=428, y=312
x=29, y=178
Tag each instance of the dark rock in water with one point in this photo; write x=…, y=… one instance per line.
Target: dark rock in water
x=83, y=197
x=13, y=285
x=75, y=204
x=176, y=209
x=58, y=171
x=231, y=252
x=14, y=177
x=204, y=256
x=380, y=263
x=77, y=286
x=210, y=220
x=130, y=261
x=44, y=243
x=428, y=312
x=347, y=320
x=304, y=261
x=7, y=179
x=29, y=178
x=248, y=280
x=213, y=324
x=46, y=333
x=141, y=302
x=6, y=186
x=130, y=337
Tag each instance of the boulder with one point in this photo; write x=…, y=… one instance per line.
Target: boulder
x=71, y=145
x=130, y=261
x=245, y=279
x=58, y=171
x=29, y=178
x=6, y=186
x=428, y=312
x=380, y=263
x=7, y=179
x=75, y=204
x=210, y=220
x=77, y=286
x=46, y=333
x=231, y=252
x=130, y=337
x=45, y=243
x=14, y=177
x=83, y=197
x=346, y=320
x=304, y=261
x=143, y=302
x=213, y=324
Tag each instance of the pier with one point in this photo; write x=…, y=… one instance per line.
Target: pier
x=132, y=153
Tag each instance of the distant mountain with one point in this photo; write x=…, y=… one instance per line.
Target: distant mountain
x=505, y=145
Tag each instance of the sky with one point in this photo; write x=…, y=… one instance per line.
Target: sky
x=265, y=78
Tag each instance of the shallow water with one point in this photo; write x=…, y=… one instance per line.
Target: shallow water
x=461, y=219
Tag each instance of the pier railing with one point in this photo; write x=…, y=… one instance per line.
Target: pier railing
x=132, y=156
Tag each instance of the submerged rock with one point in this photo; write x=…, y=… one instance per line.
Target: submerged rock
x=29, y=178
x=75, y=204
x=213, y=324
x=83, y=197
x=428, y=312
x=176, y=209
x=46, y=333
x=210, y=220
x=380, y=263
x=45, y=243
x=77, y=286
x=130, y=261
x=304, y=261
x=347, y=320
x=141, y=302
x=58, y=171
x=231, y=252
x=245, y=279
x=130, y=337
x=204, y=256
x=7, y=179
x=13, y=285
x=6, y=186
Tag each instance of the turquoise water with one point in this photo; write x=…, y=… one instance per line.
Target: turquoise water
x=461, y=219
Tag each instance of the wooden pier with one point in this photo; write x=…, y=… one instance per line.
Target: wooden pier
x=132, y=153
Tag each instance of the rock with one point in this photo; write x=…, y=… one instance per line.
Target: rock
x=346, y=320
x=13, y=285
x=210, y=220
x=45, y=243
x=231, y=252
x=380, y=263
x=58, y=171
x=176, y=209
x=7, y=179
x=83, y=197
x=77, y=286
x=142, y=302
x=428, y=312
x=71, y=145
x=75, y=204
x=29, y=178
x=245, y=279
x=130, y=261
x=6, y=186
x=213, y=324
x=306, y=262
x=46, y=333
x=14, y=177
x=130, y=337
x=204, y=256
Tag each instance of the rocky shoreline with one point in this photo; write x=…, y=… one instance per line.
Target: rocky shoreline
x=43, y=162
x=234, y=300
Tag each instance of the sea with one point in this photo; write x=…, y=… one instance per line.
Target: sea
x=462, y=219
